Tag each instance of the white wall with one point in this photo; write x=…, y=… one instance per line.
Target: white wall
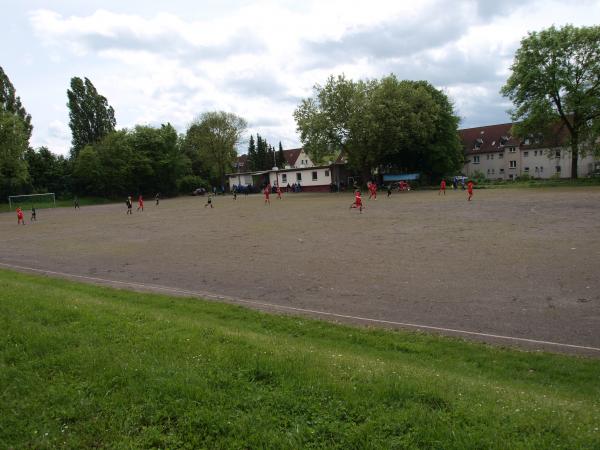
x=238, y=180
x=307, y=177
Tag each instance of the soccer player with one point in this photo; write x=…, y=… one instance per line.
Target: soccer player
x=357, y=201
x=33, y=215
x=140, y=203
x=470, y=190
x=442, y=187
x=129, y=204
x=389, y=190
x=157, y=198
x=279, y=193
x=372, y=190
x=20, y=219
x=267, y=193
x=209, y=201
x=76, y=202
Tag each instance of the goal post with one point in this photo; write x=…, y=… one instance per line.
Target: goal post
x=48, y=199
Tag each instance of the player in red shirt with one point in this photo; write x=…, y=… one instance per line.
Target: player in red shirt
x=140, y=203
x=372, y=190
x=267, y=193
x=442, y=187
x=470, y=190
x=279, y=193
x=20, y=216
x=357, y=202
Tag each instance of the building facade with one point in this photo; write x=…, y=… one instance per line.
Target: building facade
x=492, y=151
x=298, y=170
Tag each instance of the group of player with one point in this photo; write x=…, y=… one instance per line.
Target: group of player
x=267, y=193
x=357, y=204
x=21, y=215
x=469, y=189
x=140, y=201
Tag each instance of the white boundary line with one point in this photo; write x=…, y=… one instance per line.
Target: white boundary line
x=157, y=287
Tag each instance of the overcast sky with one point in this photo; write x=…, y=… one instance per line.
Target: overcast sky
x=159, y=62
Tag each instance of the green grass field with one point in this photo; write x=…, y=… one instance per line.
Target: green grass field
x=84, y=366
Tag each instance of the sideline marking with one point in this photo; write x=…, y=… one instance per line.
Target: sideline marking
x=292, y=308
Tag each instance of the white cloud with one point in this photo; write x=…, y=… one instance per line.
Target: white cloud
x=258, y=59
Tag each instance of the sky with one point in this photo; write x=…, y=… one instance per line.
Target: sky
x=159, y=62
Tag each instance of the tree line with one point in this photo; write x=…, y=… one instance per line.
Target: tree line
x=381, y=124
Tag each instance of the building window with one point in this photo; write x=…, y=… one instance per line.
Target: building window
x=525, y=154
x=501, y=155
x=557, y=169
x=314, y=175
x=501, y=170
x=488, y=171
x=493, y=171
x=541, y=169
x=492, y=156
x=512, y=165
x=284, y=178
x=475, y=159
x=557, y=154
x=327, y=173
x=512, y=149
x=526, y=169
x=537, y=169
x=535, y=153
x=298, y=176
x=488, y=156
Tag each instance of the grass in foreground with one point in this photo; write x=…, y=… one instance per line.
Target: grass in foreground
x=83, y=366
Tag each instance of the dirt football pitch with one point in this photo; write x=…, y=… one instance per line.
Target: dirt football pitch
x=511, y=266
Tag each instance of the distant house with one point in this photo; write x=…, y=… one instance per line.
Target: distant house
x=492, y=151
x=298, y=169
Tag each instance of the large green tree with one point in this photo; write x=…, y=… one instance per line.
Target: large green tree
x=405, y=124
x=556, y=80
x=90, y=116
x=48, y=172
x=214, y=137
x=14, y=141
x=15, y=131
x=11, y=103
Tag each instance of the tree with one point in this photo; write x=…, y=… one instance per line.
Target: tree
x=281, y=162
x=216, y=135
x=48, y=172
x=407, y=124
x=14, y=141
x=11, y=103
x=90, y=116
x=556, y=80
x=251, y=154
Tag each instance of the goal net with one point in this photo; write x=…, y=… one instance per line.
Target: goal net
x=29, y=200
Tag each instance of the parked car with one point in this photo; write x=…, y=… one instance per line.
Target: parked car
x=199, y=191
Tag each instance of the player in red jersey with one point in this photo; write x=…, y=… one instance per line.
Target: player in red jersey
x=442, y=187
x=357, y=201
x=267, y=193
x=279, y=193
x=470, y=190
x=20, y=216
x=372, y=190
x=140, y=203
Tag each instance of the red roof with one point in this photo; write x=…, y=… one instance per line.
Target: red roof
x=291, y=156
x=487, y=139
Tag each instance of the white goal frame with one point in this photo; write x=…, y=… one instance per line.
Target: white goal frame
x=11, y=197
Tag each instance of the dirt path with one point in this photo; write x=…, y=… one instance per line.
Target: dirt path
x=520, y=263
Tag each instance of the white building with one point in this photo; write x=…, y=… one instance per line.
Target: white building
x=298, y=169
x=494, y=152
